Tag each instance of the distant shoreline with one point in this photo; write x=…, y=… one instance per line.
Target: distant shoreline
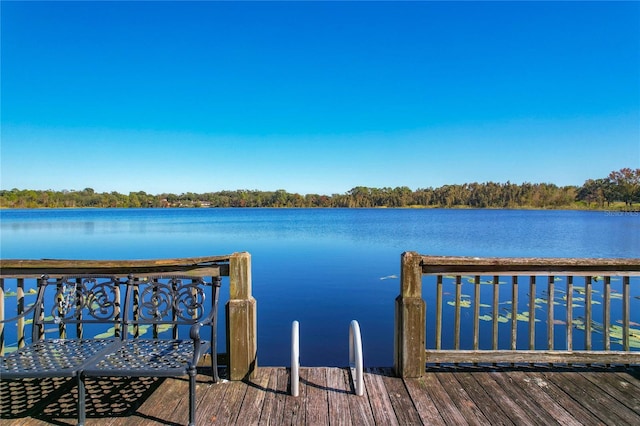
x=612, y=210
x=618, y=192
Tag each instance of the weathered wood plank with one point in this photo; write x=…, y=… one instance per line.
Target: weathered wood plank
x=197, y=266
x=294, y=410
x=492, y=411
x=563, y=398
x=535, y=389
x=536, y=356
x=317, y=402
x=274, y=400
x=630, y=376
x=528, y=266
x=620, y=390
x=338, y=397
x=254, y=399
x=597, y=402
x=378, y=398
x=501, y=397
x=361, y=412
x=468, y=408
x=401, y=402
x=447, y=395
x=164, y=405
x=208, y=406
x=229, y=408
x=524, y=400
x=448, y=410
x=427, y=409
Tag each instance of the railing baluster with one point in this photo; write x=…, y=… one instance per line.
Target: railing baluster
x=456, y=321
x=550, y=318
x=78, y=295
x=626, y=324
x=476, y=313
x=439, y=312
x=40, y=330
x=155, y=292
x=514, y=312
x=496, y=301
x=20, y=300
x=2, y=316
x=570, y=313
x=587, y=313
x=532, y=312
x=174, y=312
x=62, y=326
x=606, y=313
x=136, y=308
x=117, y=330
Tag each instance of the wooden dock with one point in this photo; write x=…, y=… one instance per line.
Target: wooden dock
x=445, y=395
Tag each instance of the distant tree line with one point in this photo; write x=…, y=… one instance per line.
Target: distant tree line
x=621, y=186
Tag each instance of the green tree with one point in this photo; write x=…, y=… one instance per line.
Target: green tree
x=627, y=185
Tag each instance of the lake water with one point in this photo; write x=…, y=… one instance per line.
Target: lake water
x=322, y=267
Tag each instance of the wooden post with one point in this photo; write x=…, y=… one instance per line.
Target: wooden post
x=241, y=319
x=410, y=319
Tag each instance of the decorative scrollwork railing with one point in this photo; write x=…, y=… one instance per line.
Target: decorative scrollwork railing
x=88, y=289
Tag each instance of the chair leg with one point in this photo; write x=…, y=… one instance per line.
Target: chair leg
x=214, y=367
x=81, y=400
x=192, y=395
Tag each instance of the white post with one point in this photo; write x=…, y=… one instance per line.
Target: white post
x=295, y=358
x=355, y=357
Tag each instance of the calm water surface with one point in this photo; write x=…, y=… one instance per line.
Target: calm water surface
x=322, y=267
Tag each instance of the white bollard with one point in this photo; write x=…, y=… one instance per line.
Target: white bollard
x=295, y=358
x=355, y=357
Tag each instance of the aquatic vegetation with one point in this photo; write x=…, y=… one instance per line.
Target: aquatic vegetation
x=582, y=290
x=521, y=316
x=616, y=332
x=142, y=330
x=464, y=303
x=11, y=293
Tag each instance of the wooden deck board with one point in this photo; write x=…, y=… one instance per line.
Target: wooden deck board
x=502, y=398
x=444, y=395
x=381, y=407
x=492, y=411
x=403, y=406
x=361, y=411
x=594, y=398
x=339, y=410
x=466, y=404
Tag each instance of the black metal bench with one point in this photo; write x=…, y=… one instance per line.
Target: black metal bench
x=170, y=305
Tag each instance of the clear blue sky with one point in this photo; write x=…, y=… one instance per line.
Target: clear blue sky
x=316, y=97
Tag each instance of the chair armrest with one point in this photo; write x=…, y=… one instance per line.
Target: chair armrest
x=194, y=334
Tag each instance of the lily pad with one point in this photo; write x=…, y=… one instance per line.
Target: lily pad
x=521, y=316
x=464, y=303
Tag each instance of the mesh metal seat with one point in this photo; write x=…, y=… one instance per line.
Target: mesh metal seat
x=169, y=304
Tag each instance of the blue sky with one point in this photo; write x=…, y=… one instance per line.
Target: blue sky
x=316, y=97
